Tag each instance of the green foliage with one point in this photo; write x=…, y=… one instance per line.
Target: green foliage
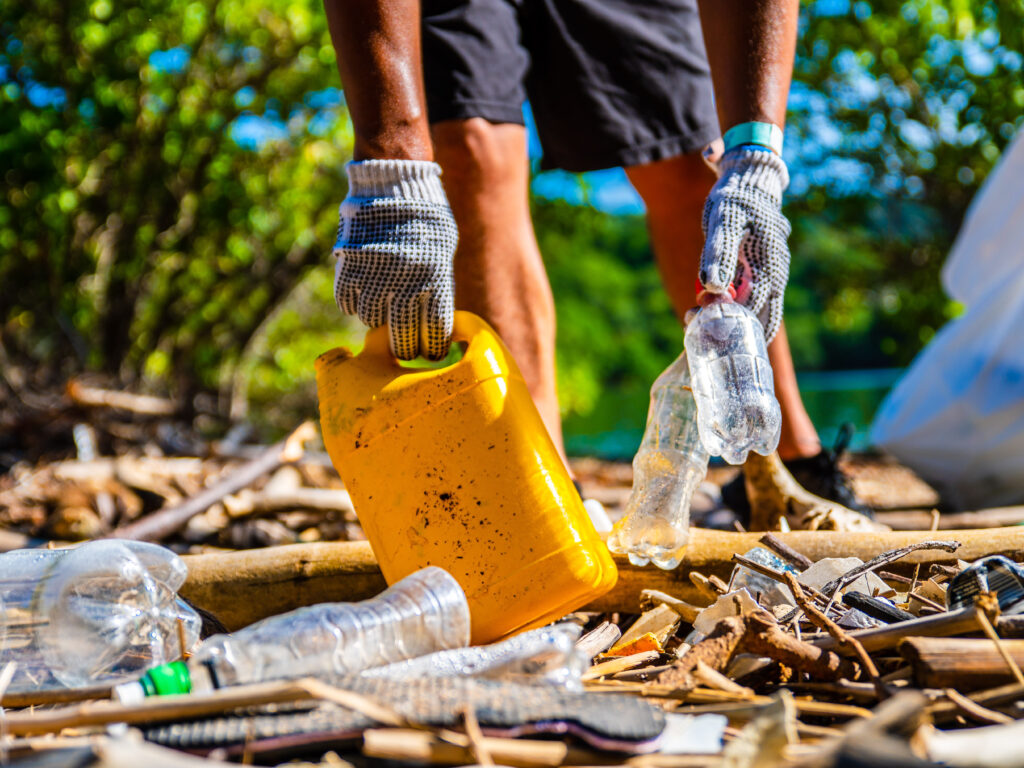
x=139, y=239
x=900, y=110
x=142, y=240
x=615, y=325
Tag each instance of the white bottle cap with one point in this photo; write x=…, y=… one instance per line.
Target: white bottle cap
x=129, y=693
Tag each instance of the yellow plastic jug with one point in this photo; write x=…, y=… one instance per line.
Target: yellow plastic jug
x=453, y=467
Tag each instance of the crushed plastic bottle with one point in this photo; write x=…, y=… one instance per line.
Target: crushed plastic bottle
x=732, y=380
x=546, y=655
x=102, y=612
x=423, y=613
x=668, y=467
x=768, y=592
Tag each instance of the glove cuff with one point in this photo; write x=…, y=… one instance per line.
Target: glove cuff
x=403, y=179
x=759, y=167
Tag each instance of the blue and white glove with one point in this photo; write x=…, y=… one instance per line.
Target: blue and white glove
x=745, y=233
x=396, y=241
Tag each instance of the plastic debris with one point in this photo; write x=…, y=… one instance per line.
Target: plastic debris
x=423, y=613
x=732, y=381
x=990, y=574
x=669, y=465
x=768, y=591
x=102, y=612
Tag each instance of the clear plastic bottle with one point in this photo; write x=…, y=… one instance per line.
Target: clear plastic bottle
x=423, y=613
x=101, y=612
x=668, y=467
x=732, y=380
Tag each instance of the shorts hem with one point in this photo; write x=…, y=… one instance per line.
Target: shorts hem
x=491, y=111
x=642, y=154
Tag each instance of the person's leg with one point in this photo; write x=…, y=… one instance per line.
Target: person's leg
x=499, y=273
x=674, y=191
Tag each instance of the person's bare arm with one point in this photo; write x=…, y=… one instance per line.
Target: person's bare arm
x=377, y=43
x=751, y=45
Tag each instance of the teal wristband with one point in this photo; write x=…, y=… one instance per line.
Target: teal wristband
x=764, y=134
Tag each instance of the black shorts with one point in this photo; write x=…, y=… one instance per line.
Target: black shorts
x=610, y=82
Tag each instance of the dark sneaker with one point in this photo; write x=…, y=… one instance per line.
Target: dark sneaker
x=819, y=474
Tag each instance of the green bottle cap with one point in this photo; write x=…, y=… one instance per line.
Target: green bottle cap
x=167, y=680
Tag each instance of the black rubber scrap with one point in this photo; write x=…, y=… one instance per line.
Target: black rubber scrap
x=604, y=720
x=875, y=608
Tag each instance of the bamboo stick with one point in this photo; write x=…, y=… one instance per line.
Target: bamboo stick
x=965, y=664
x=164, y=707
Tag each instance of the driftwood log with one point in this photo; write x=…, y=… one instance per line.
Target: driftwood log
x=774, y=494
x=242, y=587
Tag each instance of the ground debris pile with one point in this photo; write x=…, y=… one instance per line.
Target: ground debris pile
x=231, y=496
x=807, y=659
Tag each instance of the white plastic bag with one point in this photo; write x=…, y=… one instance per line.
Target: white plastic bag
x=957, y=415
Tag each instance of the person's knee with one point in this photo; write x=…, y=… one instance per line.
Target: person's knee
x=475, y=153
x=667, y=184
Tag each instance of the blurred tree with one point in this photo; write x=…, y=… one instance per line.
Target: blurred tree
x=899, y=110
x=170, y=171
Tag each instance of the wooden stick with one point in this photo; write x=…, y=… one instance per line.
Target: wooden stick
x=618, y=665
x=425, y=747
x=652, y=597
x=166, y=521
x=477, y=745
x=49, y=697
x=184, y=706
x=144, y=405
x=242, y=587
x=975, y=710
x=786, y=552
x=962, y=663
x=919, y=519
x=925, y=601
x=712, y=678
x=599, y=640
x=989, y=630
x=958, y=622
x=822, y=621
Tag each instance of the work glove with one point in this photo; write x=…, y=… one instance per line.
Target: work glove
x=396, y=242
x=745, y=233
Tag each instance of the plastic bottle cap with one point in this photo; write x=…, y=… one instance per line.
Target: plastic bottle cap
x=703, y=294
x=129, y=693
x=167, y=680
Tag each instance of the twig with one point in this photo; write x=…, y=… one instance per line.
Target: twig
x=786, y=552
x=822, y=621
x=890, y=576
x=702, y=583
x=836, y=585
x=925, y=601
x=476, y=737
x=990, y=631
x=975, y=710
x=712, y=678
x=166, y=521
x=144, y=405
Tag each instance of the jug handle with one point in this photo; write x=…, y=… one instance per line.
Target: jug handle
x=467, y=327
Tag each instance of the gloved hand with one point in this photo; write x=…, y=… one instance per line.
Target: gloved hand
x=396, y=242
x=745, y=233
